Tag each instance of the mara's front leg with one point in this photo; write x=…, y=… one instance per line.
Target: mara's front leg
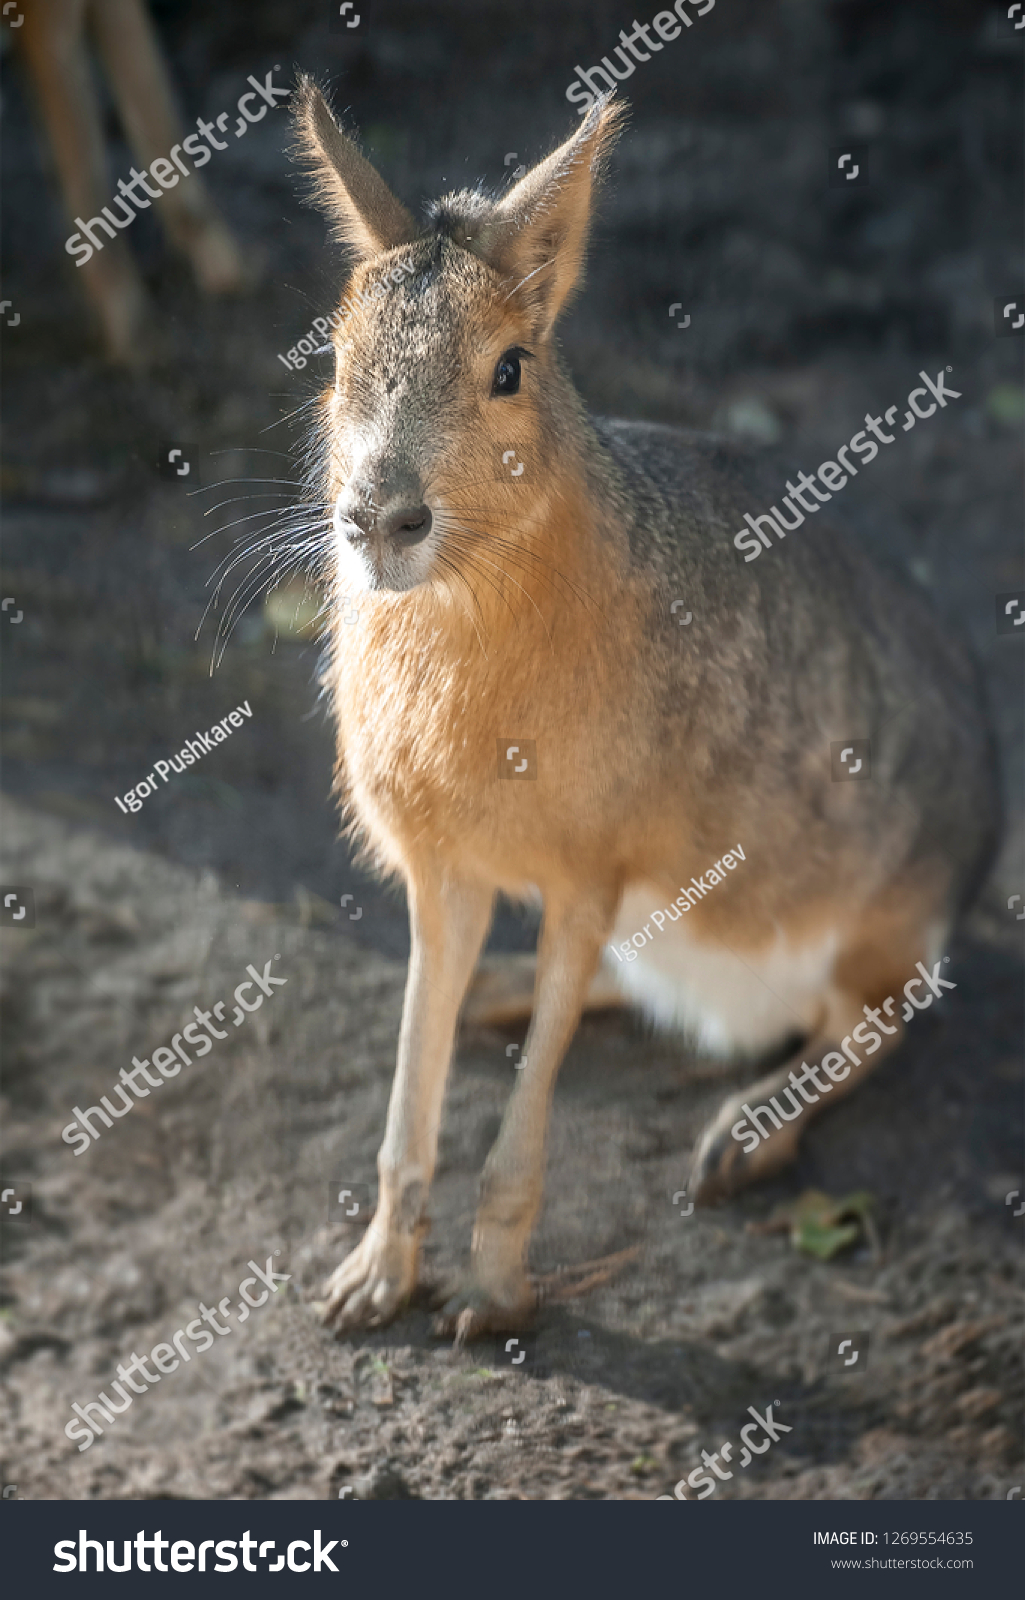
x=499, y=1294
x=448, y=920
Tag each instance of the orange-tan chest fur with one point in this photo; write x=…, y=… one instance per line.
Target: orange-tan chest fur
x=427, y=706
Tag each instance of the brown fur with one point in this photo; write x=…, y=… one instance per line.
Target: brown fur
x=539, y=610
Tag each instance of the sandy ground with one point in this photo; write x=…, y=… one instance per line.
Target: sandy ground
x=621, y=1389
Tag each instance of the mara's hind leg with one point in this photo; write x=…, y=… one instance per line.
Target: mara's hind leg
x=142, y=86
x=862, y=1020
x=502, y=991
x=771, y=1115
x=54, y=42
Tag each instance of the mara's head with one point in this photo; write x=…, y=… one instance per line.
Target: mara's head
x=441, y=431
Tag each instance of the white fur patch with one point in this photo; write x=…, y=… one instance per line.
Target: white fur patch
x=729, y=1004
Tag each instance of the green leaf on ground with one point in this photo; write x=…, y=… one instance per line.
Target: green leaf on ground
x=821, y=1226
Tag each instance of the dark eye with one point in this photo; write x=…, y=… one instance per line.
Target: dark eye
x=507, y=374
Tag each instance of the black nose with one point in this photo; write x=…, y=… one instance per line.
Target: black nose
x=406, y=526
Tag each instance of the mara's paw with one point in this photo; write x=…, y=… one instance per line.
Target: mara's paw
x=373, y=1284
x=721, y=1165
x=472, y=1312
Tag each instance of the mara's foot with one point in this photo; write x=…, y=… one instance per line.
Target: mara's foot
x=472, y=1312
x=722, y=1165
x=373, y=1284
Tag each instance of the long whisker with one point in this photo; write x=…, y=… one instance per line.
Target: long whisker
x=444, y=562
x=292, y=533
x=527, y=561
x=298, y=539
x=464, y=481
x=468, y=556
x=312, y=401
x=250, y=450
x=289, y=557
x=222, y=483
x=206, y=612
x=514, y=552
x=477, y=554
x=251, y=585
x=521, y=554
x=268, y=511
x=263, y=494
x=273, y=536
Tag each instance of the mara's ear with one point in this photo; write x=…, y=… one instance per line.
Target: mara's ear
x=364, y=214
x=537, y=234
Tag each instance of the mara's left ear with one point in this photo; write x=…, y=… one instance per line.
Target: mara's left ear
x=537, y=234
x=365, y=215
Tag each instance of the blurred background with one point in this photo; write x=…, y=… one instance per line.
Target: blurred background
x=810, y=303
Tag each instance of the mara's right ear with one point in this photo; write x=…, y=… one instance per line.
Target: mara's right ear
x=364, y=214
x=537, y=234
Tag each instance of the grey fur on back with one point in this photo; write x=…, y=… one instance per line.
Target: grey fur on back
x=813, y=642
